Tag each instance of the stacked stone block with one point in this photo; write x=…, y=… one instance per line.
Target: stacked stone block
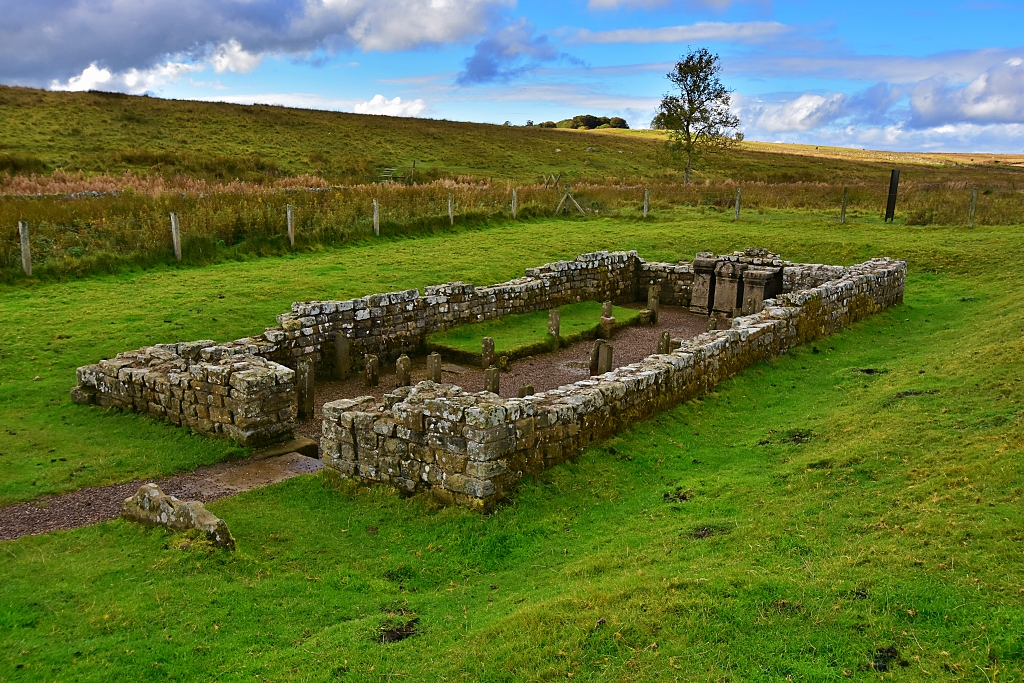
x=199, y=385
x=675, y=281
x=471, y=449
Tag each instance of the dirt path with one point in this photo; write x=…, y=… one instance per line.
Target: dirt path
x=101, y=503
x=548, y=371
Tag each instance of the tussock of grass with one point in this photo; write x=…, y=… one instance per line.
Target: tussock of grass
x=526, y=334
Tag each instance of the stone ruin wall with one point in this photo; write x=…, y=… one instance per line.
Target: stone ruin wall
x=246, y=389
x=471, y=449
x=199, y=385
x=388, y=325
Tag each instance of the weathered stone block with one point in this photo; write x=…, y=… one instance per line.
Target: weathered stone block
x=153, y=507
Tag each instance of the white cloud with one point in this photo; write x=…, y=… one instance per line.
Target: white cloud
x=227, y=57
x=134, y=81
x=738, y=32
x=649, y=4
x=802, y=113
x=995, y=96
x=230, y=56
x=395, y=107
x=956, y=67
x=391, y=25
x=58, y=40
x=964, y=137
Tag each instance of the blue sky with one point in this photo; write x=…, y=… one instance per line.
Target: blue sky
x=937, y=75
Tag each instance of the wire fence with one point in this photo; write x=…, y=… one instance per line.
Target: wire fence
x=105, y=232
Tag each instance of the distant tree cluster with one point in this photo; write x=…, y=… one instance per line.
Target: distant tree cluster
x=585, y=122
x=588, y=122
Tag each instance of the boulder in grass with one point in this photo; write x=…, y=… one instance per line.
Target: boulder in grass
x=153, y=507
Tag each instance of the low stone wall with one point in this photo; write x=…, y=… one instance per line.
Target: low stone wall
x=199, y=385
x=471, y=449
x=189, y=383
x=388, y=325
x=674, y=281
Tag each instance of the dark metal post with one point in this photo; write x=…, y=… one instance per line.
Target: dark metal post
x=894, y=184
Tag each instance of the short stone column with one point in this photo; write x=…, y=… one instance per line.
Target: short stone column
x=305, y=384
x=604, y=359
x=607, y=320
x=729, y=287
x=654, y=302
x=664, y=342
x=486, y=353
x=434, y=367
x=526, y=390
x=403, y=371
x=342, y=360
x=492, y=380
x=757, y=283
x=702, y=293
x=595, y=355
x=372, y=370
x=555, y=323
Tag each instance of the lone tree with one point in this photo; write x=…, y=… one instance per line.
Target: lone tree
x=698, y=117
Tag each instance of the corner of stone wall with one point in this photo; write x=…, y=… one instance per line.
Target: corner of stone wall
x=472, y=448
x=208, y=388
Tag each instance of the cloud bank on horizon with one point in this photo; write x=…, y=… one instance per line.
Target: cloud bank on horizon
x=936, y=75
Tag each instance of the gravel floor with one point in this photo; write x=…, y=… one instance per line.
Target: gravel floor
x=548, y=371
x=97, y=504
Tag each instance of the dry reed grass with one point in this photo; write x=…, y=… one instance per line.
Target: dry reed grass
x=103, y=224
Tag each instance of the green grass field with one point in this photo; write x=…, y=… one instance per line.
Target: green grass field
x=807, y=521
x=526, y=334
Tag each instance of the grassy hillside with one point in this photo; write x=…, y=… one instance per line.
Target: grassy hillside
x=101, y=133
x=95, y=176
x=807, y=521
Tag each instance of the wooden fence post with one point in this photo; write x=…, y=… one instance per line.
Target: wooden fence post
x=376, y=218
x=513, y=203
x=974, y=205
x=176, y=236
x=291, y=226
x=739, y=197
x=451, y=211
x=842, y=213
x=26, y=248
x=647, y=201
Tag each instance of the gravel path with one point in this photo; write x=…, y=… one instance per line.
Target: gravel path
x=101, y=503
x=97, y=504
x=548, y=371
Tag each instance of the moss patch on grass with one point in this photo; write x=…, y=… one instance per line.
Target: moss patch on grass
x=526, y=334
